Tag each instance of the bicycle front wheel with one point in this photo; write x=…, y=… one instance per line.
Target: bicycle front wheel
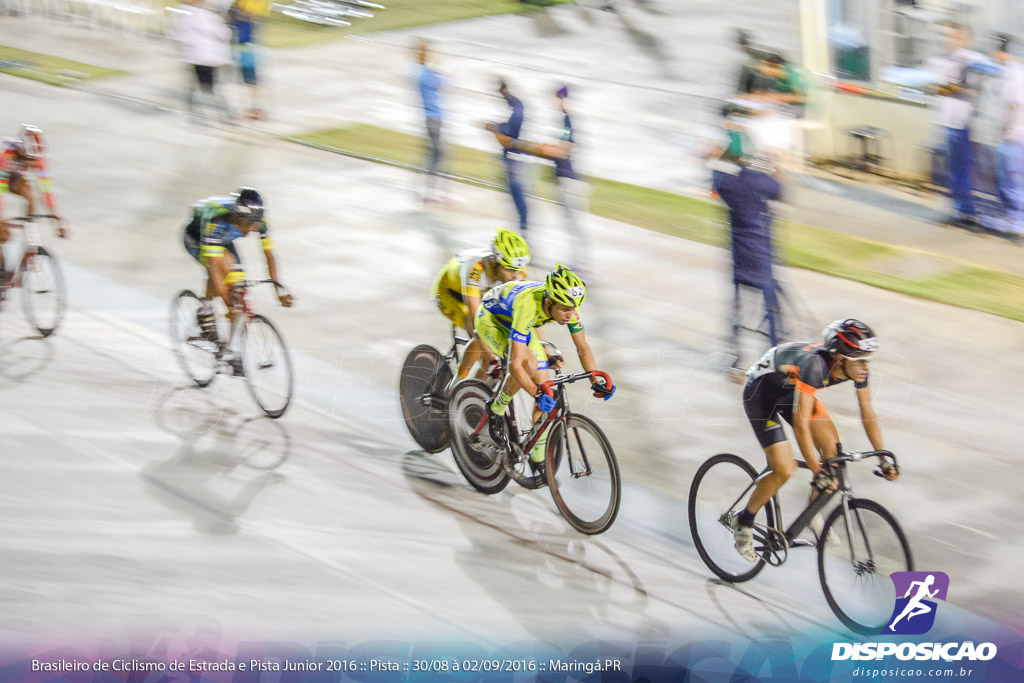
x=196, y=354
x=42, y=291
x=719, y=492
x=425, y=375
x=856, y=553
x=583, y=474
x=267, y=366
x=476, y=454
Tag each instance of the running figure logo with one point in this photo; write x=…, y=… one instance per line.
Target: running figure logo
x=916, y=593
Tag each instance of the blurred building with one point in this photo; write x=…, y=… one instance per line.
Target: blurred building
x=869, y=62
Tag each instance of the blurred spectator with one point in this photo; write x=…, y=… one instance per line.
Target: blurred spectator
x=204, y=40
x=430, y=83
x=954, y=114
x=573, y=192
x=510, y=156
x=747, y=82
x=247, y=17
x=746, y=191
x=1010, y=149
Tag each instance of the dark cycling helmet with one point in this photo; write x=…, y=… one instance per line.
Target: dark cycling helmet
x=849, y=337
x=248, y=204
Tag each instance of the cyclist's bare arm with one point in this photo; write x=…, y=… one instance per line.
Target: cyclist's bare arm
x=869, y=419
x=219, y=268
x=473, y=303
x=519, y=354
x=802, y=429
x=285, y=299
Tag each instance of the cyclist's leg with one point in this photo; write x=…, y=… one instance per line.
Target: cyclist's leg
x=20, y=186
x=766, y=420
x=495, y=340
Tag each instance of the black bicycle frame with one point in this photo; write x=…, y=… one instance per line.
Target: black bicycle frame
x=838, y=463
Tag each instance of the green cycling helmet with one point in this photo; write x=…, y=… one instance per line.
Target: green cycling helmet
x=511, y=250
x=565, y=287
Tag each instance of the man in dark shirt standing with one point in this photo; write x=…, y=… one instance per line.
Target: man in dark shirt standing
x=510, y=156
x=573, y=191
x=746, y=193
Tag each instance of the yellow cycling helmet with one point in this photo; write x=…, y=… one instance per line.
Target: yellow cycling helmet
x=565, y=287
x=511, y=250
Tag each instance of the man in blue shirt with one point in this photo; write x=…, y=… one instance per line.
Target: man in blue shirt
x=746, y=193
x=513, y=165
x=430, y=83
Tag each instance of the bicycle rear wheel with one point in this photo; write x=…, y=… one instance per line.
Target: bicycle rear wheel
x=425, y=375
x=267, y=366
x=42, y=291
x=719, y=492
x=476, y=455
x=583, y=474
x=854, y=567
x=197, y=355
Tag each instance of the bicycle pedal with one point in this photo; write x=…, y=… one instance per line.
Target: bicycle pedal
x=801, y=543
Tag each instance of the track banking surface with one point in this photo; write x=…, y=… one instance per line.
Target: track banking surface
x=135, y=505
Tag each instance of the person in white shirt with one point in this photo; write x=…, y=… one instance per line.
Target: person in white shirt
x=1010, y=149
x=955, y=108
x=204, y=40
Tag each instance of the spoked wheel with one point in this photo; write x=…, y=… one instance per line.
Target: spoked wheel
x=425, y=375
x=267, y=366
x=42, y=291
x=197, y=355
x=854, y=566
x=583, y=474
x=719, y=491
x=476, y=455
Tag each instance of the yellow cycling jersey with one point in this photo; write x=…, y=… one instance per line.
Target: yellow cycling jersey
x=465, y=275
x=517, y=307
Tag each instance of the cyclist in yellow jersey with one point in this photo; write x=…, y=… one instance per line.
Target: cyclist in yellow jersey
x=508, y=324
x=463, y=280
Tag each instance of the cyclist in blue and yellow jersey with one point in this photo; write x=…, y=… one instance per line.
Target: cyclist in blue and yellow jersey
x=210, y=239
x=508, y=325
x=463, y=280
x=781, y=386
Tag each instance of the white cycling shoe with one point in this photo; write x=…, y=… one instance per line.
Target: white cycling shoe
x=744, y=536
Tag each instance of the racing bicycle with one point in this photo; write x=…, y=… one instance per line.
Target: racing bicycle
x=580, y=467
x=39, y=276
x=254, y=348
x=860, y=544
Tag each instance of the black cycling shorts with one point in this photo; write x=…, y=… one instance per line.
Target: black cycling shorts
x=767, y=405
x=192, y=240
x=766, y=408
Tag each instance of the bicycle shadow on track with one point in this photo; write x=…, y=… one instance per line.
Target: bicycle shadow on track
x=546, y=564
x=23, y=358
x=225, y=459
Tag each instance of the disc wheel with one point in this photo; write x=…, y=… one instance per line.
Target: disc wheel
x=477, y=456
x=425, y=375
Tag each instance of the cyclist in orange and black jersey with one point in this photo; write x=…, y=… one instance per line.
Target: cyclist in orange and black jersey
x=782, y=386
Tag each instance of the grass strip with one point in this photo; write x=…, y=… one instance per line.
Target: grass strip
x=282, y=31
x=802, y=246
x=49, y=69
